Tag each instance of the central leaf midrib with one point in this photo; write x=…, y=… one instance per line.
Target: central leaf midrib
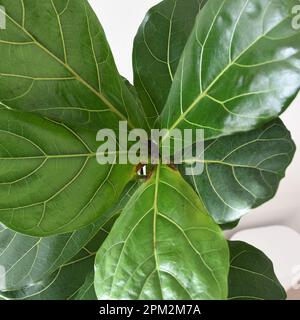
x=155, y=213
x=74, y=73
x=58, y=156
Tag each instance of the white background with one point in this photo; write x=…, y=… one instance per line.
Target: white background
x=120, y=20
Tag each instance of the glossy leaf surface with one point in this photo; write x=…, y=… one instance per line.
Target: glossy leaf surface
x=251, y=275
x=28, y=260
x=46, y=264
x=163, y=246
x=229, y=67
x=242, y=171
x=55, y=61
x=61, y=285
x=239, y=69
x=157, y=49
x=87, y=291
x=50, y=180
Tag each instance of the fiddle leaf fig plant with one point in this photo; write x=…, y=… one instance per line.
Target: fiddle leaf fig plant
x=72, y=227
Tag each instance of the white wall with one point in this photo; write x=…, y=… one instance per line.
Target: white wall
x=120, y=20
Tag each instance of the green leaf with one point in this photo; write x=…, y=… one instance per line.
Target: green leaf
x=157, y=49
x=30, y=261
x=61, y=285
x=163, y=246
x=64, y=283
x=50, y=181
x=132, y=89
x=239, y=69
x=87, y=291
x=251, y=275
x=242, y=171
x=27, y=259
x=55, y=61
x=229, y=67
x=230, y=225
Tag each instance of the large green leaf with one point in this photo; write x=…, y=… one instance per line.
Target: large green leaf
x=87, y=291
x=157, y=49
x=50, y=181
x=55, y=61
x=251, y=275
x=61, y=285
x=239, y=69
x=242, y=171
x=163, y=246
x=30, y=261
x=27, y=259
